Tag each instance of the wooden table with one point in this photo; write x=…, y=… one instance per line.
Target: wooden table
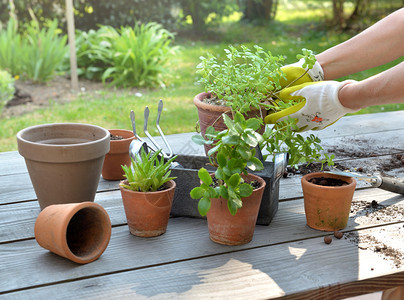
x=285, y=258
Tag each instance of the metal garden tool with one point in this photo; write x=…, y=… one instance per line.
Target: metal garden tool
x=137, y=144
x=395, y=185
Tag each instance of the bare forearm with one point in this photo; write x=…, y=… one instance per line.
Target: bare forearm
x=377, y=45
x=384, y=88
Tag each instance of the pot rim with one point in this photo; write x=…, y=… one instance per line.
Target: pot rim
x=128, y=133
x=34, y=150
x=172, y=183
x=350, y=180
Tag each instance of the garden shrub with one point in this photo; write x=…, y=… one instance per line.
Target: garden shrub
x=34, y=54
x=129, y=56
x=7, y=88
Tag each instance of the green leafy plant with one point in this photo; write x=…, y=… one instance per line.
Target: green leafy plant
x=248, y=79
x=35, y=54
x=7, y=88
x=129, y=56
x=11, y=48
x=236, y=149
x=140, y=56
x=148, y=173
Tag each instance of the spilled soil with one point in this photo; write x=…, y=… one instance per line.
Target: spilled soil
x=383, y=239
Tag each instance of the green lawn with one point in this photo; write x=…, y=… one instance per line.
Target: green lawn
x=293, y=30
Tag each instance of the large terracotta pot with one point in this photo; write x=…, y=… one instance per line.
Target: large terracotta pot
x=148, y=213
x=327, y=208
x=118, y=155
x=64, y=160
x=77, y=231
x=210, y=115
x=226, y=229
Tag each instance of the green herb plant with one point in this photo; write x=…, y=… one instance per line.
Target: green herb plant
x=244, y=80
x=148, y=173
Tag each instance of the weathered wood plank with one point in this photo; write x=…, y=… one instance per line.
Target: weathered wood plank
x=289, y=187
x=186, y=238
x=17, y=220
x=341, y=269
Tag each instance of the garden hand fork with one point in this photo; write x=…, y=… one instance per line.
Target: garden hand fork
x=138, y=143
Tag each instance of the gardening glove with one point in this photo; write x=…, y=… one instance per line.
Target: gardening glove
x=294, y=71
x=318, y=105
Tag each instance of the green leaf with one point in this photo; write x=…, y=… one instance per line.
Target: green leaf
x=234, y=180
x=197, y=192
x=204, y=176
x=204, y=206
x=245, y=190
x=199, y=140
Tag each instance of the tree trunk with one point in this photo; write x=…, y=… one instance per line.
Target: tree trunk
x=264, y=9
x=338, y=13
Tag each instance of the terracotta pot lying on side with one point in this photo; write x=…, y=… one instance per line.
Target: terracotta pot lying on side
x=226, y=229
x=79, y=232
x=327, y=208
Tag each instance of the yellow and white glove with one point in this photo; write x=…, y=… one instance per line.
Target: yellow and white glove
x=294, y=71
x=318, y=105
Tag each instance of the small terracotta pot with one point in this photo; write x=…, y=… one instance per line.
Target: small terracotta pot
x=211, y=115
x=77, y=231
x=327, y=208
x=226, y=229
x=64, y=160
x=148, y=213
x=118, y=155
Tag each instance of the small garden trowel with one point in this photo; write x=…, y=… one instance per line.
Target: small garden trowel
x=395, y=185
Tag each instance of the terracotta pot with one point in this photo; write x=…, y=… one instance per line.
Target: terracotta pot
x=64, y=160
x=327, y=208
x=148, y=213
x=211, y=115
x=118, y=155
x=226, y=229
x=77, y=231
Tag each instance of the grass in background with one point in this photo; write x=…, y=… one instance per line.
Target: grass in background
x=294, y=28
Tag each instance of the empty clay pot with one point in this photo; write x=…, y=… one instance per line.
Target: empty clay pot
x=226, y=229
x=77, y=231
x=118, y=155
x=64, y=160
x=327, y=208
x=148, y=213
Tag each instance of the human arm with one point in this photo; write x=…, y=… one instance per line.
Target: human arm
x=384, y=88
x=377, y=45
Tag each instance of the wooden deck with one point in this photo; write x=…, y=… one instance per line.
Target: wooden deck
x=285, y=259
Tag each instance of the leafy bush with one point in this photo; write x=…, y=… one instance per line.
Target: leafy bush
x=33, y=55
x=43, y=52
x=129, y=56
x=6, y=87
x=11, y=46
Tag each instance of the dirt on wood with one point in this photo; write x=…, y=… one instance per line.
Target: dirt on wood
x=371, y=212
